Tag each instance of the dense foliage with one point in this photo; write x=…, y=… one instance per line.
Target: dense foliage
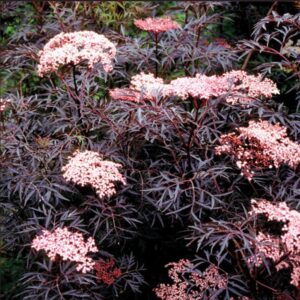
x=149, y=150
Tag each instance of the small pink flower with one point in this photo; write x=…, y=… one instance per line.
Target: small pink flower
x=266, y=246
x=125, y=94
x=68, y=245
x=240, y=87
x=180, y=288
x=156, y=25
x=237, y=87
x=147, y=84
x=276, y=247
x=89, y=169
x=75, y=48
x=261, y=145
x=202, y=87
x=4, y=103
x=245, y=87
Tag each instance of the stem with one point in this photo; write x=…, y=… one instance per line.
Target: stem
x=74, y=79
x=197, y=62
x=71, y=93
x=251, y=52
x=53, y=5
x=272, y=8
x=39, y=8
x=267, y=287
x=192, y=131
x=247, y=60
x=198, y=121
x=156, y=53
x=2, y=119
x=186, y=17
x=130, y=119
x=77, y=101
x=198, y=36
x=196, y=108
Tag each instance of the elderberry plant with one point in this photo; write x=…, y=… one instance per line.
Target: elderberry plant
x=134, y=142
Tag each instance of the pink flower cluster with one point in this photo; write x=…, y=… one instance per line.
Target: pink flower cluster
x=235, y=86
x=142, y=86
x=202, y=87
x=68, y=245
x=248, y=86
x=181, y=288
x=3, y=104
x=75, y=48
x=89, y=169
x=258, y=146
x=289, y=240
x=266, y=246
x=125, y=94
x=240, y=87
x=147, y=84
x=156, y=25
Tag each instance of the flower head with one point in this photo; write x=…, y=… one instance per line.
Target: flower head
x=89, y=169
x=261, y=145
x=68, y=245
x=276, y=247
x=75, y=48
x=156, y=25
x=3, y=104
x=181, y=288
x=106, y=271
x=238, y=86
x=125, y=94
x=267, y=246
x=245, y=87
x=202, y=87
x=147, y=84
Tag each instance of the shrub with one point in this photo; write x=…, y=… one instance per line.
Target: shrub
x=137, y=145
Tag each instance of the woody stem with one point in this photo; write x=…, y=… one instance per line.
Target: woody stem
x=74, y=79
x=156, y=54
